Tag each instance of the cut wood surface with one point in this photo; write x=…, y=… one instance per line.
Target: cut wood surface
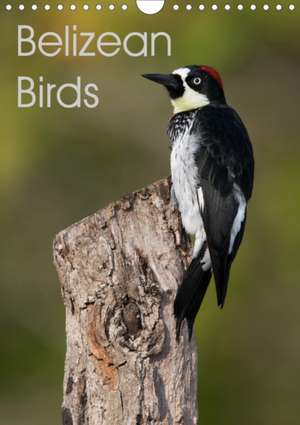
x=119, y=270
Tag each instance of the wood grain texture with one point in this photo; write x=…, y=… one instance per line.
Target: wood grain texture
x=119, y=270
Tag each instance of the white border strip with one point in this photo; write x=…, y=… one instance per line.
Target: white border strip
x=124, y=7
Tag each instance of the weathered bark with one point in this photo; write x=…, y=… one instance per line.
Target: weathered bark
x=119, y=270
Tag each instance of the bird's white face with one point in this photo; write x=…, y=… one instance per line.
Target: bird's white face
x=191, y=87
x=191, y=98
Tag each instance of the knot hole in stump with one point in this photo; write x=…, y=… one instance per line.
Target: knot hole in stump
x=132, y=317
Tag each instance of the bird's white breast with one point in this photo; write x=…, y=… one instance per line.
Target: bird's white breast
x=185, y=181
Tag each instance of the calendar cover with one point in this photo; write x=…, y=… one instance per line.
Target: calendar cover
x=166, y=134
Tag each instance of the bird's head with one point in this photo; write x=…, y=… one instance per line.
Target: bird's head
x=191, y=87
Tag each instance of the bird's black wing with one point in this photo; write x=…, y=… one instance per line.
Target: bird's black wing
x=225, y=166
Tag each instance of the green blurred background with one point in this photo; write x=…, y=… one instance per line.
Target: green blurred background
x=59, y=165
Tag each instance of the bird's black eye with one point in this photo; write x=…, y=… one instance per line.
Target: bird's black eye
x=197, y=81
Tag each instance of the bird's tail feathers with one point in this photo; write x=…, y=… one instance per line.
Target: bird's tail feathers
x=221, y=269
x=190, y=295
x=221, y=264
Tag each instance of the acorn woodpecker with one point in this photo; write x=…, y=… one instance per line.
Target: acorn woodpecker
x=212, y=169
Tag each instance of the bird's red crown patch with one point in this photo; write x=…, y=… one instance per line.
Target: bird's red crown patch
x=213, y=73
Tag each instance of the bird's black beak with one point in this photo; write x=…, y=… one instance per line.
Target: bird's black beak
x=173, y=83
x=170, y=81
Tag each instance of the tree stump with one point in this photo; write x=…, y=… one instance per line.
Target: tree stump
x=119, y=270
